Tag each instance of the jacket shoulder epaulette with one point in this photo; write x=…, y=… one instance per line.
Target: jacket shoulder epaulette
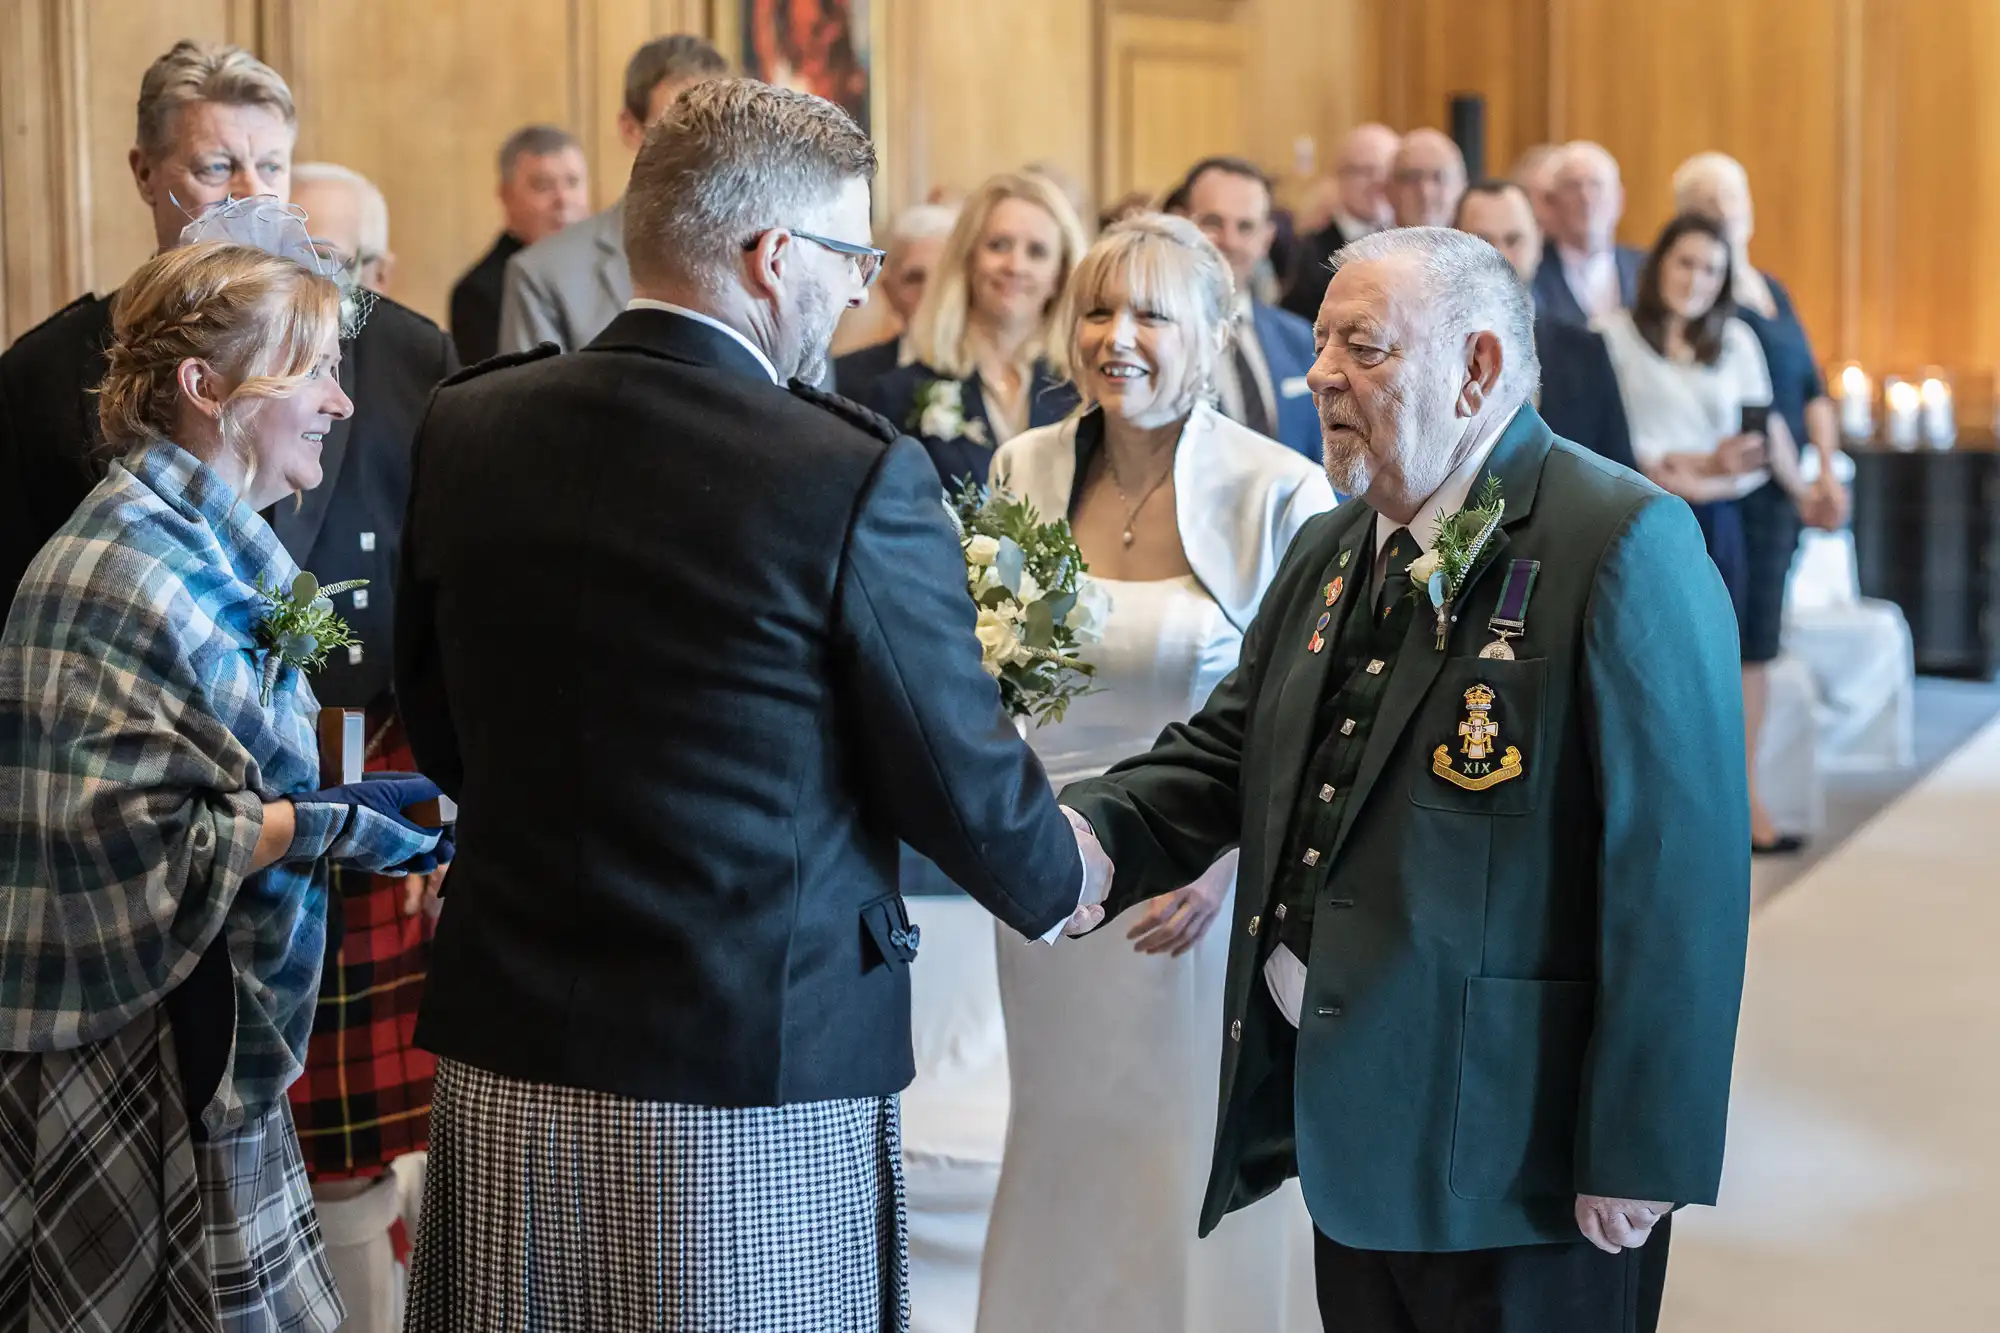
x=853, y=413
x=539, y=352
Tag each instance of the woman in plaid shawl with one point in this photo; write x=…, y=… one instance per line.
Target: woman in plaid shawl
x=163, y=853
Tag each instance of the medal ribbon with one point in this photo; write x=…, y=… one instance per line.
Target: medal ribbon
x=1510, y=617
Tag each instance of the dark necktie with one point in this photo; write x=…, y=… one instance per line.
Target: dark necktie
x=1397, y=557
x=1255, y=416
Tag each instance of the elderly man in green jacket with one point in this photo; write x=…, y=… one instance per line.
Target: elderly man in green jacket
x=1484, y=759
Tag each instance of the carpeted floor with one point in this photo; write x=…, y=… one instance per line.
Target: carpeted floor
x=1863, y=1156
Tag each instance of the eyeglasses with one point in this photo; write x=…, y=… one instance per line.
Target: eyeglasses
x=866, y=257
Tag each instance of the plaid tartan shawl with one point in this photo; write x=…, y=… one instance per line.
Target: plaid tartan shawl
x=135, y=758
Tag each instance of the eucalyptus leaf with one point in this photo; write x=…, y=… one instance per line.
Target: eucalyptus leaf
x=305, y=588
x=1009, y=563
x=1040, y=625
x=1061, y=605
x=1439, y=589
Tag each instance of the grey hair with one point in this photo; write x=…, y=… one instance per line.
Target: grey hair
x=679, y=58
x=200, y=72
x=1582, y=152
x=1469, y=287
x=1703, y=169
x=374, y=208
x=534, y=141
x=922, y=222
x=733, y=157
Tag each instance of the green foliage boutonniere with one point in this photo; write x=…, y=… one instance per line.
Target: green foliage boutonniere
x=300, y=627
x=1460, y=538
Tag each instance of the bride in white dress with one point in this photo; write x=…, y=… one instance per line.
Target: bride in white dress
x=1115, y=1040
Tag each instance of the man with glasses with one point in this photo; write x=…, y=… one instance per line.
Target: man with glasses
x=671, y=994
x=1360, y=208
x=347, y=213
x=1427, y=179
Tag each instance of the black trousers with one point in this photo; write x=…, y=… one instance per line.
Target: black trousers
x=1572, y=1288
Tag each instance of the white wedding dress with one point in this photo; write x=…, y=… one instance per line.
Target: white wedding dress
x=1115, y=1057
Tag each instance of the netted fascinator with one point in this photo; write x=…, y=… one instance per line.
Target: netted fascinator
x=262, y=223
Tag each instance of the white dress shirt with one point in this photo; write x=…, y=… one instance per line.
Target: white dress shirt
x=1284, y=974
x=648, y=303
x=1593, y=280
x=1228, y=384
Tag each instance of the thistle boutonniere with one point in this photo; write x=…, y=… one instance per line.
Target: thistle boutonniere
x=1441, y=572
x=300, y=627
x=940, y=413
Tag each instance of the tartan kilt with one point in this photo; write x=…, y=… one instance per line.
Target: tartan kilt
x=113, y=1219
x=556, y=1209
x=365, y=1097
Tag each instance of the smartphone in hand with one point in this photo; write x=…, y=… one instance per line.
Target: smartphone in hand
x=1756, y=419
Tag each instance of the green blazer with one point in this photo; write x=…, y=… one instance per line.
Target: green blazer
x=1527, y=992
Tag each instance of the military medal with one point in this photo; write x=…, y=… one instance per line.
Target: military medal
x=1318, y=639
x=1344, y=557
x=1510, y=617
x=1480, y=763
x=1334, y=589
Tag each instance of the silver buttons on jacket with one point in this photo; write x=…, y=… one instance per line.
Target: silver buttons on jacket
x=1236, y=1030
x=1311, y=857
x=367, y=541
x=1326, y=792
x=1347, y=727
x=1375, y=667
x=1255, y=922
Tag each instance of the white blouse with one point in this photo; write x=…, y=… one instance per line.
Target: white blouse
x=1676, y=408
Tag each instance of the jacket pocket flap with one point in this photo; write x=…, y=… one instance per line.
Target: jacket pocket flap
x=1520, y=1073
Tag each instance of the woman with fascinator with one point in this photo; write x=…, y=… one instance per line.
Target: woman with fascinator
x=163, y=850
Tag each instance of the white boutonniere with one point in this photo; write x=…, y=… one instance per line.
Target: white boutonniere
x=940, y=413
x=1441, y=572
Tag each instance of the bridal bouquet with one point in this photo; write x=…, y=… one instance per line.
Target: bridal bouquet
x=1036, y=603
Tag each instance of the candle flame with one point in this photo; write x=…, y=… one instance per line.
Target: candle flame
x=1903, y=396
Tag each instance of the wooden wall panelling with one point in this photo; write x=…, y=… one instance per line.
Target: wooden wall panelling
x=418, y=98
x=1175, y=90
x=1931, y=187
x=1763, y=82
x=1308, y=64
x=44, y=165
x=986, y=88
x=1430, y=50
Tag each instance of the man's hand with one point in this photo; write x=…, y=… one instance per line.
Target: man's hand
x=1096, y=876
x=1175, y=922
x=1617, y=1224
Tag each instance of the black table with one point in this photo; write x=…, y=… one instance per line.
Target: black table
x=1927, y=537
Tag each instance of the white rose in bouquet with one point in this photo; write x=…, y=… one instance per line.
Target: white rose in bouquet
x=1026, y=579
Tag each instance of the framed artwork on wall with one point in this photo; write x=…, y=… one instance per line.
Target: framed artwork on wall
x=825, y=47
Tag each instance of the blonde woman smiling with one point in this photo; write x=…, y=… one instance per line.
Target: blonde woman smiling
x=1114, y=1040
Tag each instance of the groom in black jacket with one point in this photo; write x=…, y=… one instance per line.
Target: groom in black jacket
x=693, y=651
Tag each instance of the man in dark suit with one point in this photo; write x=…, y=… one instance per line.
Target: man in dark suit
x=1584, y=272
x=916, y=243
x=1262, y=383
x=544, y=186
x=739, y=667
x=1579, y=398
x=200, y=104
x=1493, y=902
x=1360, y=206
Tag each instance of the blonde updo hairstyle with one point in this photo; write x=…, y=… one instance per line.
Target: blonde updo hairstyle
x=1154, y=261
x=260, y=322
x=938, y=328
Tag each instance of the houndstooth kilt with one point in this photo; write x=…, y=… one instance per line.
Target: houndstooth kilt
x=555, y=1209
x=112, y=1219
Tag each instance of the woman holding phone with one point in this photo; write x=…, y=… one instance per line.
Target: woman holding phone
x=1697, y=394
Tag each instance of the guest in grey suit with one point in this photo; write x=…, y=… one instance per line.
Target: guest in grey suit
x=566, y=288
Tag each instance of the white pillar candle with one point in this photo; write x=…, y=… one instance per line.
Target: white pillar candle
x=1940, y=422
x=1857, y=404
x=1904, y=404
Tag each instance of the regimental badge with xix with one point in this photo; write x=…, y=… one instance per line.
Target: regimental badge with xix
x=1476, y=761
